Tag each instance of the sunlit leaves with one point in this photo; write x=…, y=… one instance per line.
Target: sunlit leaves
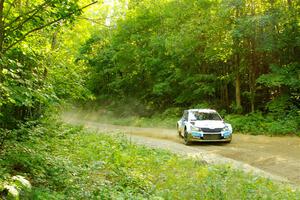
x=158, y=51
x=37, y=66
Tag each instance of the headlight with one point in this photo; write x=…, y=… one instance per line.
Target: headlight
x=194, y=128
x=225, y=128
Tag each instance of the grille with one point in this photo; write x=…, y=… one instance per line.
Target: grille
x=212, y=136
x=211, y=130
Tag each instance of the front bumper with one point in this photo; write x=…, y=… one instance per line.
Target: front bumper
x=224, y=136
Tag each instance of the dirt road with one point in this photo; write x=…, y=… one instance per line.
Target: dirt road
x=274, y=157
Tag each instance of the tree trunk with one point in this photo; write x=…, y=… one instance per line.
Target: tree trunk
x=293, y=48
x=2, y=29
x=54, y=39
x=252, y=73
x=238, y=107
x=238, y=93
x=226, y=96
x=238, y=86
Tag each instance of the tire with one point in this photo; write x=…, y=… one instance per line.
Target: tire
x=179, y=132
x=186, y=139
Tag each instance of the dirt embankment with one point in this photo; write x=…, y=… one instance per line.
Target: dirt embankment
x=274, y=157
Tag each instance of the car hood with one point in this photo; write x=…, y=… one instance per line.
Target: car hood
x=211, y=124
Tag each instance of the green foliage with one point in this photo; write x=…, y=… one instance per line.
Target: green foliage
x=287, y=75
x=172, y=113
x=256, y=123
x=106, y=166
x=68, y=79
x=280, y=105
x=184, y=53
x=33, y=76
x=25, y=92
x=21, y=19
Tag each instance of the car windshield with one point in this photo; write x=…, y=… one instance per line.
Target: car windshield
x=206, y=116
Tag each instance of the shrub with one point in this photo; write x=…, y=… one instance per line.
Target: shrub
x=257, y=123
x=75, y=164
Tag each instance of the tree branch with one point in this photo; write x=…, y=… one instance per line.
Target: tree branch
x=43, y=26
x=26, y=20
x=96, y=21
x=2, y=29
x=28, y=13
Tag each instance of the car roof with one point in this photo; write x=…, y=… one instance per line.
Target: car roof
x=202, y=110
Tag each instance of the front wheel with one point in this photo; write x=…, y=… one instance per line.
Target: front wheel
x=178, y=131
x=186, y=138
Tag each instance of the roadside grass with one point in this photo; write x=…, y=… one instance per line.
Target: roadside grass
x=67, y=162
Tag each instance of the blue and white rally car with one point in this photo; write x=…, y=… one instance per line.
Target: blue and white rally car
x=203, y=125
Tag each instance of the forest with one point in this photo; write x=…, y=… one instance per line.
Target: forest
x=235, y=56
x=157, y=57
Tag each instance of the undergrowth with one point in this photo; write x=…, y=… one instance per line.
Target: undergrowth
x=66, y=162
x=257, y=124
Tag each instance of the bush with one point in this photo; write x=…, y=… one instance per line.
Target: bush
x=257, y=123
x=172, y=112
x=75, y=164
